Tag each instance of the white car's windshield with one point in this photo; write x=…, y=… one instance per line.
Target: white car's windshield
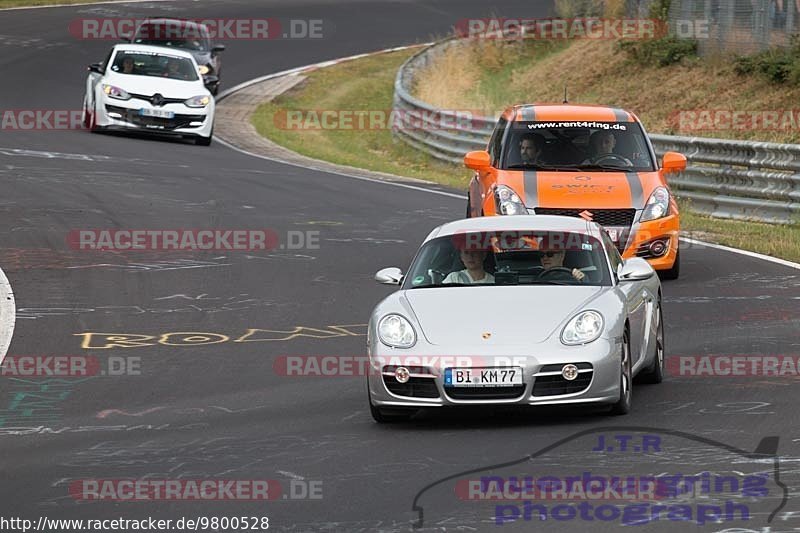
x=509, y=258
x=155, y=65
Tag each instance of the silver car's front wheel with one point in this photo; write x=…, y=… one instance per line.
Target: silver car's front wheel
x=655, y=374
x=623, y=405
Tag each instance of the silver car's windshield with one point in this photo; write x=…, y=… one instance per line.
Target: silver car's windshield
x=187, y=36
x=509, y=258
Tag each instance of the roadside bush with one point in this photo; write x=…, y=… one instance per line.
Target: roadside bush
x=778, y=65
x=662, y=52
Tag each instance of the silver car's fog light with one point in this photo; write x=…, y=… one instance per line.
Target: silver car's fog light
x=402, y=375
x=569, y=372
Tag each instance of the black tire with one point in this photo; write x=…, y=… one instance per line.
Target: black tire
x=393, y=415
x=655, y=373
x=204, y=141
x=469, y=206
x=623, y=405
x=674, y=272
x=389, y=415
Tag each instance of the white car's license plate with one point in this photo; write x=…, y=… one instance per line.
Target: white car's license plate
x=483, y=377
x=158, y=113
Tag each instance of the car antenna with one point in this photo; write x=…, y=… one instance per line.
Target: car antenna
x=565, y=95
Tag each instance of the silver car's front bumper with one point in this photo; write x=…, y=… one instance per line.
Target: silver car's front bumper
x=602, y=356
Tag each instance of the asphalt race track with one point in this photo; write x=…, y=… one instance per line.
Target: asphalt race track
x=202, y=410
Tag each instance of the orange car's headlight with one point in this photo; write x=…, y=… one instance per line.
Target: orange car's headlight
x=657, y=205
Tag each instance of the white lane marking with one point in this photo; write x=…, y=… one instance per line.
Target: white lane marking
x=755, y=255
x=84, y=4
x=289, y=474
x=337, y=173
x=8, y=314
x=230, y=91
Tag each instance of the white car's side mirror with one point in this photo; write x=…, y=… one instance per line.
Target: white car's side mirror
x=389, y=276
x=635, y=269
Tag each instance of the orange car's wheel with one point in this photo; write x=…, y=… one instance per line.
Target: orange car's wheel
x=675, y=271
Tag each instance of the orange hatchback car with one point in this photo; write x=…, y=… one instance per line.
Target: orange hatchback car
x=594, y=162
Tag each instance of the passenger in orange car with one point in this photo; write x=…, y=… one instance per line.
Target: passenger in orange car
x=601, y=147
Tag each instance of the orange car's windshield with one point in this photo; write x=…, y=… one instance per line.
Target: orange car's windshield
x=576, y=145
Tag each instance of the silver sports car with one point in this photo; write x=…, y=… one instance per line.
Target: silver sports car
x=529, y=310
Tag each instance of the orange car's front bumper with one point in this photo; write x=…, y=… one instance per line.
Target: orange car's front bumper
x=668, y=226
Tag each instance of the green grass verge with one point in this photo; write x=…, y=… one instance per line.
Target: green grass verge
x=359, y=85
x=367, y=84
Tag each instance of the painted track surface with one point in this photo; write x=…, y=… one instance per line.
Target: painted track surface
x=219, y=410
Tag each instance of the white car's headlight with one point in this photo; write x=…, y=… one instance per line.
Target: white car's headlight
x=115, y=92
x=508, y=202
x=584, y=327
x=396, y=331
x=198, y=101
x=657, y=205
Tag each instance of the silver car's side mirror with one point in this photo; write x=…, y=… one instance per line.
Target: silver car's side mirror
x=635, y=269
x=389, y=276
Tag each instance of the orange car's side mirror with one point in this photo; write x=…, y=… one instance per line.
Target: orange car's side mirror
x=673, y=162
x=478, y=160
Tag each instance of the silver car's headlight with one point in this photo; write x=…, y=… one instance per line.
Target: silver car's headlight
x=198, y=101
x=115, y=92
x=396, y=331
x=508, y=202
x=584, y=327
x=657, y=205
x=204, y=69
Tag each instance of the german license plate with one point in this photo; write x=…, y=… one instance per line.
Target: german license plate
x=483, y=377
x=158, y=113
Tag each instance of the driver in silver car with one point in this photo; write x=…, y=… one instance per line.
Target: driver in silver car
x=555, y=259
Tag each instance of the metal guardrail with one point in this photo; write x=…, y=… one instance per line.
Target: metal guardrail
x=724, y=178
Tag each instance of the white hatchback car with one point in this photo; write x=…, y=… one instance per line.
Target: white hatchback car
x=149, y=89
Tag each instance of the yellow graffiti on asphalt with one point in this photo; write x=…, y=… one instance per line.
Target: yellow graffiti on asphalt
x=105, y=341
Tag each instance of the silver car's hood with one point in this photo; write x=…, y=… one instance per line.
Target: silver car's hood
x=512, y=315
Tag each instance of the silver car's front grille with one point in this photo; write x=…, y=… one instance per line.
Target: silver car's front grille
x=485, y=393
